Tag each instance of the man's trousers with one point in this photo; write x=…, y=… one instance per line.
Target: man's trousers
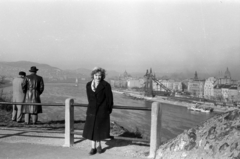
x=34, y=118
x=17, y=113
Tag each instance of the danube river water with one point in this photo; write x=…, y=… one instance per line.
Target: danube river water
x=175, y=119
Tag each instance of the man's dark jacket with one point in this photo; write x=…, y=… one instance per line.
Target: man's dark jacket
x=33, y=85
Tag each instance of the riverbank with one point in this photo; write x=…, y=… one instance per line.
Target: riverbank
x=162, y=99
x=215, y=108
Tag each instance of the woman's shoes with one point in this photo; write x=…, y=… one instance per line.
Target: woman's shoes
x=93, y=151
x=99, y=150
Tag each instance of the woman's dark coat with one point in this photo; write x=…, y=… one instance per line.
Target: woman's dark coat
x=33, y=85
x=97, y=126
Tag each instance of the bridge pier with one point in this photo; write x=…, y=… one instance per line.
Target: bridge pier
x=148, y=84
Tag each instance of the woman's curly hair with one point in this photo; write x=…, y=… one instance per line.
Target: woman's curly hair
x=98, y=69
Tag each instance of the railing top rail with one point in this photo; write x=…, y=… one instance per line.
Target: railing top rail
x=79, y=105
x=43, y=104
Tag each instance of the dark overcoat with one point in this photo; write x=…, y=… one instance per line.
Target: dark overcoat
x=33, y=85
x=100, y=104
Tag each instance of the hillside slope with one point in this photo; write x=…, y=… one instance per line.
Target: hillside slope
x=217, y=138
x=11, y=69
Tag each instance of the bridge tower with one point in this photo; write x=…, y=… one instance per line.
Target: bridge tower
x=148, y=88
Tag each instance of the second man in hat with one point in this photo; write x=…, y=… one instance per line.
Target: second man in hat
x=33, y=85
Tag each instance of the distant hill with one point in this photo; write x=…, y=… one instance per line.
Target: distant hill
x=27, y=65
x=87, y=72
x=49, y=73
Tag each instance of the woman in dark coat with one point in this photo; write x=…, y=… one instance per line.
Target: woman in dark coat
x=100, y=103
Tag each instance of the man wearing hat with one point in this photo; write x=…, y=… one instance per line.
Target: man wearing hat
x=18, y=96
x=33, y=85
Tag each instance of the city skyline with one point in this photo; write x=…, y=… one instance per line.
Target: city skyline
x=168, y=36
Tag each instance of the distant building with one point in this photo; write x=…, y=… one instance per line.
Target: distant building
x=218, y=93
x=135, y=83
x=167, y=83
x=233, y=93
x=226, y=92
x=226, y=88
x=196, y=86
x=226, y=79
x=124, y=76
x=185, y=84
x=170, y=84
x=118, y=83
x=209, y=87
x=122, y=81
x=178, y=86
x=238, y=88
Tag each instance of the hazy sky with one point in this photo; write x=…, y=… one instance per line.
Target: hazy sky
x=120, y=35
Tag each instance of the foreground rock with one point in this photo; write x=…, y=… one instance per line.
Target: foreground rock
x=218, y=138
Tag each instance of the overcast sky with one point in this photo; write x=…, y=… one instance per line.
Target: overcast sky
x=120, y=35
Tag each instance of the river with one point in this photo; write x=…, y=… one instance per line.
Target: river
x=175, y=119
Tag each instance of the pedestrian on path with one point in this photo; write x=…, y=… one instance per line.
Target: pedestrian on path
x=18, y=96
x=100, y=104
x=33, y=85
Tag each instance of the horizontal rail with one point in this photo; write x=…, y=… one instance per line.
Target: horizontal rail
x=132, y=108
x=118, y=107
x=78, y=105
x=43, y=104
x=119, y=137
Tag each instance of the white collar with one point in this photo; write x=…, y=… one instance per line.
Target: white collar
x=94, y=86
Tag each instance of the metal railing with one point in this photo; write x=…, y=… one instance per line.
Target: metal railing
x=156, y=114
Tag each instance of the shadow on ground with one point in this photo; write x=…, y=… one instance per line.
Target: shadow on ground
x=59, y=126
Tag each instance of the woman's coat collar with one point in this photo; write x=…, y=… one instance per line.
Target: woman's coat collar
x=100, y=86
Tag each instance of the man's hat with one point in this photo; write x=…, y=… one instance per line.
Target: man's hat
x=33, y=69
x=22, y=73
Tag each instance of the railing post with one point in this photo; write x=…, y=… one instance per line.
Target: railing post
x=155, y=139
x=69, y=122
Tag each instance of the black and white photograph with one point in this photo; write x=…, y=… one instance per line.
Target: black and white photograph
x=122, y=79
